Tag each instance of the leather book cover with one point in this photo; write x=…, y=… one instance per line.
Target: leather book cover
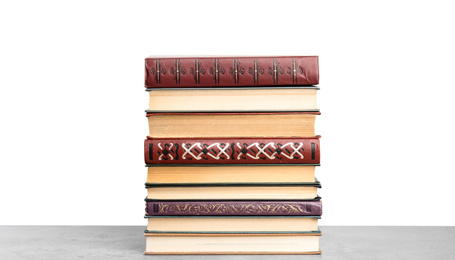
x=165, y=72
x=296, y=150
x=233, y=208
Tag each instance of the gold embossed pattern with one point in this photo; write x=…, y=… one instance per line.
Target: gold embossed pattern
x=224, y=208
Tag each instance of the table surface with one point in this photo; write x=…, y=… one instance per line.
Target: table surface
x=127, y=242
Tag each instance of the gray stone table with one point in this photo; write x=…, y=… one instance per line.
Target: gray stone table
x=127, y=242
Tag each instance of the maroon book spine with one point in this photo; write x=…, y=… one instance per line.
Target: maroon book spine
x=233, y=208
x=232, y=150
x=231, y=71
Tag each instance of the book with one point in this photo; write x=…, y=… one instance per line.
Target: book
x=234, y=173
x=231, y=155
x=234, y=208
x=233, y=100
x=297, y=150
x=232, y=224
x=232, y=243
x=233, y=191
x=223, y=124
x=162, y=72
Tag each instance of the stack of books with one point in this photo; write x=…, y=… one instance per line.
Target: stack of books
x=231, y=155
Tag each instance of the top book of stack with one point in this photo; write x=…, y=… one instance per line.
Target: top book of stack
x=199, y=72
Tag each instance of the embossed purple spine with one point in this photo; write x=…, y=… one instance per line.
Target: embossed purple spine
x=233, y=208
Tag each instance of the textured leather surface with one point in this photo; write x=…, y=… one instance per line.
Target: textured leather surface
x=232, y=150
x=231, y=71
x=234, y=208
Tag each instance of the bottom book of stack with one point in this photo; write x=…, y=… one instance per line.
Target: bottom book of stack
x=233, y=227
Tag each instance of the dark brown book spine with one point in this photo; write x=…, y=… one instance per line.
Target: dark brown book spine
x=232, y=150
x=233, y=208
x=231, y=71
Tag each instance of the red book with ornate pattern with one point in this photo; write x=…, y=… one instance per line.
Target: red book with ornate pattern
x=234, y=208
x=296, y=150
x=175, y=72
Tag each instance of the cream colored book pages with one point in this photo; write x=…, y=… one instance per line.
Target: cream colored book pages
x=231, y=125
x=274, y=99
x=232, y=224
x=231, y=174
x=244, y=193
x=251, y=244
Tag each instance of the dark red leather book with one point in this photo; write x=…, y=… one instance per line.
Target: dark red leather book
x=233, y=208
x=232, y=150
x=231, y=71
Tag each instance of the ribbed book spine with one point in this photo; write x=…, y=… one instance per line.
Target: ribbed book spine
x=233, y=208
x=231, y=71
x=232, y=150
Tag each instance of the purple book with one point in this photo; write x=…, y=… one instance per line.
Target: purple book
x=233, y=208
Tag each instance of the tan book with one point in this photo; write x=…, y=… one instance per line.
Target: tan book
x=232, y=223
x=248, y=124
x=230, y=174
x=285, y=243
x=232, y=192
x=233, y=99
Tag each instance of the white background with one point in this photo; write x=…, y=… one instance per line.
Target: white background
x=72, y=101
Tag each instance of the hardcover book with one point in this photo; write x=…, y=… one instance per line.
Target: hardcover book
x=232, y=243
x=228, y=124
x=230, y=173
x=232, y=150
x=282, y=99
x=237, y=191
x=232, y=224
x=234, y=208
x=163, y=72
